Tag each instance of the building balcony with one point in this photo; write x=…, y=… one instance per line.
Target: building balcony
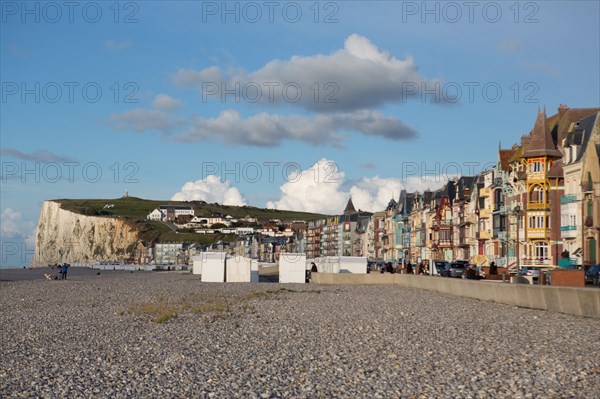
x=568, y=231
x=441, y=224
x=535, y=177
x=568, y=199
x=469, y=219
x=485, y=214
x=535, y=262
x=483, y=235
x=443, y=244
x=537, y=205
x=502, y=209
x=538, y=233
x=568, y=228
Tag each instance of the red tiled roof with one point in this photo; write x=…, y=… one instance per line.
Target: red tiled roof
x=505, y=158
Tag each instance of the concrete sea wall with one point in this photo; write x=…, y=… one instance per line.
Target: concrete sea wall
x=569, y=300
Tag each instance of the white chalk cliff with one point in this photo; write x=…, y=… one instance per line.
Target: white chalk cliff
x=65, y=236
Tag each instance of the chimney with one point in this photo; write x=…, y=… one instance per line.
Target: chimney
x=525, y=139
x=562, y=108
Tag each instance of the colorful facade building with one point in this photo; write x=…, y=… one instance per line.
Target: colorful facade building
x=579, y=205
x=537, y=206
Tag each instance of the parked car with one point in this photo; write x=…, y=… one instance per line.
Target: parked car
x=471, y=273
x=371, y=267
x=530, y=271
x=444, y=270
x=592, y=275
x=441, y=267
x=456, y=269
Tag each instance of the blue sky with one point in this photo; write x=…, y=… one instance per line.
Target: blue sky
x=161, y=123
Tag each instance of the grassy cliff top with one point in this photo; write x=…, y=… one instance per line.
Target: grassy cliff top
x=138, y=208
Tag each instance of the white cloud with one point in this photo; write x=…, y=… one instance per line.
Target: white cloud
x=264, y=129
x=267, y=130
x=12, y=224
x=141, y=120
x=359, y=76
x=211, y=189
x=157, y=119
x=342, y=89
x=166, y=102
x=186, y=77
x=374, y=193
x=316, y=189
x=36, y=156
x=424, y=183
x=322, y=189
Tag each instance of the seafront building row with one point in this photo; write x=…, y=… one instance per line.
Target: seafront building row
x=539, y=205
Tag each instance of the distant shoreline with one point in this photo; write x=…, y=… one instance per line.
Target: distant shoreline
x=38, y=273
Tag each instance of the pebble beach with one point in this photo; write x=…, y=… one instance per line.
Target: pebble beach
x=168, y=335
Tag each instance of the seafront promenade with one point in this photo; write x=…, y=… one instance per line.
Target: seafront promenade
x=145, y=334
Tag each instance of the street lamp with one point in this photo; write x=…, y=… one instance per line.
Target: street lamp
x=517, y=211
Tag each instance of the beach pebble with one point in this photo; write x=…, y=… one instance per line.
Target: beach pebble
x=97, y=336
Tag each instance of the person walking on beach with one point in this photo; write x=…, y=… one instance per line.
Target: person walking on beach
x=64, y=271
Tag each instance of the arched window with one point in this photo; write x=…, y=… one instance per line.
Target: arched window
x=537, y=195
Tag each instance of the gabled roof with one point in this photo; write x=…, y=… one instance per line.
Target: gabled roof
x=392, y=205
x=559, y=124
x=541, y=143
x=518, y=151
x=349, y=207
x=463, y=183
x=406, y=202
x=427, y=195
x=581, y=135
x=442, y=192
